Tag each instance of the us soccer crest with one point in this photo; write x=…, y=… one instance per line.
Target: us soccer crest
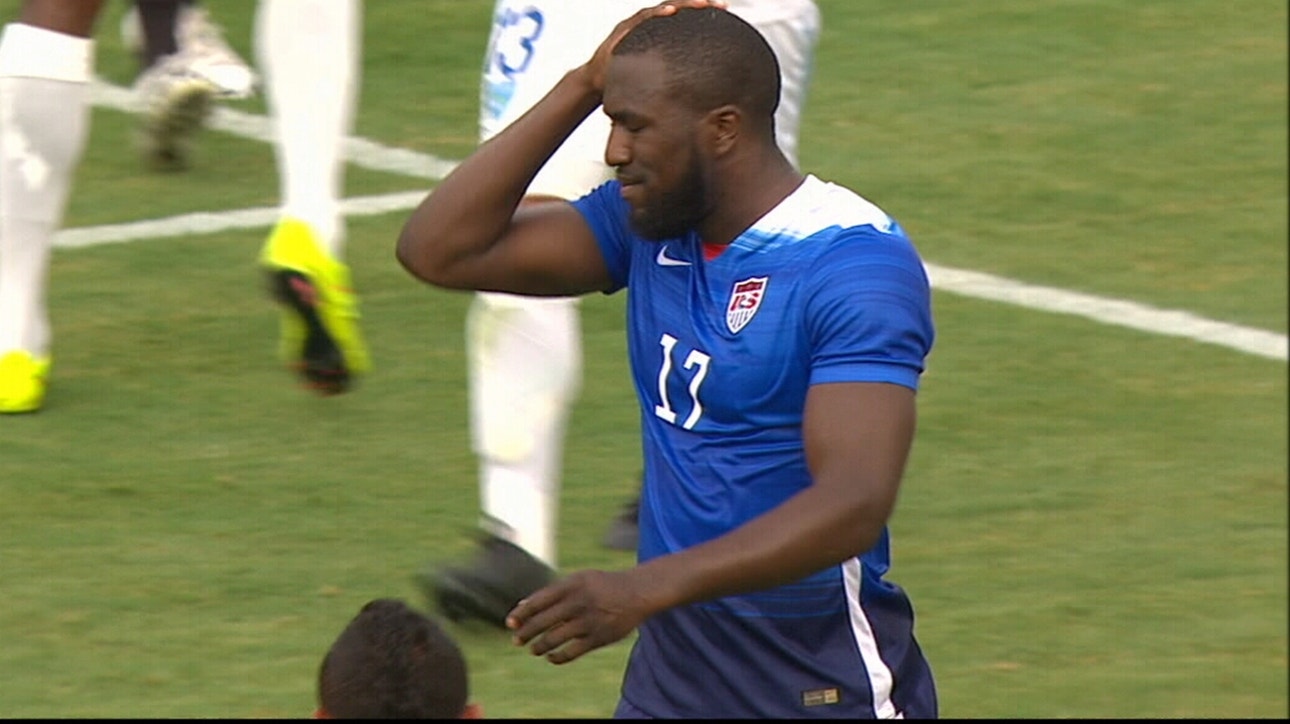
x=745, y=300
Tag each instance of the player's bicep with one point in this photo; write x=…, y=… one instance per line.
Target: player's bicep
x=549, y=250
x=857, y=437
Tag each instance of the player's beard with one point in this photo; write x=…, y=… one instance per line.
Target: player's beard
x=676, y=211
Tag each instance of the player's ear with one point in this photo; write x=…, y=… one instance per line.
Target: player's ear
x=320, y=713
x=473, y=711
x=723, y=125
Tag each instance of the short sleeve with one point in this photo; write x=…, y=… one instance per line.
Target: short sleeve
x=607, y=214
x=868, y=310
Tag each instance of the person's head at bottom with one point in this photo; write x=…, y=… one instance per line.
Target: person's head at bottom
x=393, y=662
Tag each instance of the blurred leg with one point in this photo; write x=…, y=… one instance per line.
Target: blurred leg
x=157, y=20
x=312, y=96
x=524, y=360
x=46, y=63
x=312, y=93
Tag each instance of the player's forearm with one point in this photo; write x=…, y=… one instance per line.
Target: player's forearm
x=856, y=438
x=807, y=533
x=469, y=211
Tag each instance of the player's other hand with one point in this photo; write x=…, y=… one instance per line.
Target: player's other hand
x=577, y=614
x=595, y=68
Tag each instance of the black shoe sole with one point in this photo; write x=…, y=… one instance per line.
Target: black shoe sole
x=459, y=601
x=321, y=363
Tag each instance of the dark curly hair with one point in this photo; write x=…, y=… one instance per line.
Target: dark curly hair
x=392, y=662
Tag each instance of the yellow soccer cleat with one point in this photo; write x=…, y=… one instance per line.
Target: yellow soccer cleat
x=320, y=335
x=23, y=379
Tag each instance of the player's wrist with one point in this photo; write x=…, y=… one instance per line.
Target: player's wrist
x=661, y=585
x=582, y=80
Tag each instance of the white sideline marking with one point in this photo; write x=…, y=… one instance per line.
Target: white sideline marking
x=358, y=151
x=1110, y=311
x=370, y=155
x=210, y=222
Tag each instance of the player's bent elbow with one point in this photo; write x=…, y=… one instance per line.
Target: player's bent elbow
x=860, y=527
x=870, y=535
x=409, y=251
x=848, y=542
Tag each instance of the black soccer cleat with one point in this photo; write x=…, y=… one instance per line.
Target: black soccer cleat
x=321, y=363
x=487, y=586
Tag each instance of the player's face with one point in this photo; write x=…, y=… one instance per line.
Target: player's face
x=655, y=150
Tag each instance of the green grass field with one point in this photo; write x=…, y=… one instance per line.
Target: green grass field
x=1094, y=518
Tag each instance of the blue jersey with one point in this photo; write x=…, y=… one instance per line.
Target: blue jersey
x=826, y=287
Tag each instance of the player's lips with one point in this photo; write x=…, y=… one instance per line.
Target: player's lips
x=630, y=189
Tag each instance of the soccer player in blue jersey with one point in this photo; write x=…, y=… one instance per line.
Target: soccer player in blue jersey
x=777, y=329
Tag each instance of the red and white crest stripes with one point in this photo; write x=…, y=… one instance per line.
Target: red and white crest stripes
x=745, y=300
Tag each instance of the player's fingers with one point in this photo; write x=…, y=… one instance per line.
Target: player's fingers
x=531, y=628
x=557, y=636
x=572, y=650
x=532, y=615
x=600, y=58
x=537, y=622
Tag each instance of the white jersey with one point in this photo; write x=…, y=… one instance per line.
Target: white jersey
x=759, y=12
x=532, y=45
x=792, y=28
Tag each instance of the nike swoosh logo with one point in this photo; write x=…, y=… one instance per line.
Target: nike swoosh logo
x=664, y=260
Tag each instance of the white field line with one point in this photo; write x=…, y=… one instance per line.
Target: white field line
x=370, y=155
x=359, y=151
x=210, y=222
x=1118, y=312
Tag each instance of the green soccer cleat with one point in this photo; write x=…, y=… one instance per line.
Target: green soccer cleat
x=320, y=337
x=23, y=378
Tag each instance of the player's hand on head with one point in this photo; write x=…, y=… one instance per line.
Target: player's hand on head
x=578, y=614
x=600, y=59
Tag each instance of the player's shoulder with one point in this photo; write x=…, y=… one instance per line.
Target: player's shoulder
x=822, y=212
x=847, y=209
x=605, y=210
x=846, y=232
x=605, y=194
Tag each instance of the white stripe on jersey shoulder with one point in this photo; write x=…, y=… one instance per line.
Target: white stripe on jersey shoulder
x=814, y=207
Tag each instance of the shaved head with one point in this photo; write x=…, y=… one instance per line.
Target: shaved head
x=713, y=58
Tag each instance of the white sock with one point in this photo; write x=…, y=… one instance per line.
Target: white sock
x=518, y=508
x=525, y=359
x=44, y=121
x=309, y=51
